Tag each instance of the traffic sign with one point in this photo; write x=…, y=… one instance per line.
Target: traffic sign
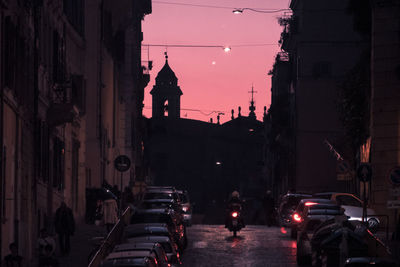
x=122, y=163
x=394, y=176
x=364, y=172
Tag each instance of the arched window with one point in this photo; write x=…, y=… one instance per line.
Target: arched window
x=165, y=108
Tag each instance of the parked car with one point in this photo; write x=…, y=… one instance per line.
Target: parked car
x=298, y=213
x=161, y=204
x=353, y=207
x=287, y=206
x=312, y=217
x=130, y=258
x=187, y=208
x=161, y=194
x=155, y=248
x=167, y=216
x=135, y=230
x=169, y=246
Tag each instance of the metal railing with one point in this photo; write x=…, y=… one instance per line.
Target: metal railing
x=112, y=239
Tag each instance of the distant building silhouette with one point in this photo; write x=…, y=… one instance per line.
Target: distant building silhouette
x=208, y=159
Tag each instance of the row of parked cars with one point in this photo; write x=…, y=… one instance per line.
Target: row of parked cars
x=156, y=235
x=329, y=230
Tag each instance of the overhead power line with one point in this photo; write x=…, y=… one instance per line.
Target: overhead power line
x=262, y=9
x=207, y=46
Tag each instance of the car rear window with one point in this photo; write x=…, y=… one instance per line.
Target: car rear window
x=158, y=195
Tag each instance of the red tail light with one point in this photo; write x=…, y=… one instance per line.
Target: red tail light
x=296, y=217
x=310, y=203
x=234, y=214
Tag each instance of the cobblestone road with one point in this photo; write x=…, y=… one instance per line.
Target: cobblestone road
x=255, y=246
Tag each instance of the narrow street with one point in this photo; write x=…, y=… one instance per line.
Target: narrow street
x=255, y=246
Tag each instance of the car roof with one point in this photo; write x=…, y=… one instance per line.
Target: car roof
x=319, y=200
x=145, y=230
x=297, y=195
x=128, y=254
x=149, y=238
x=159, y=200
x=161, y=190
x=153, y=211
x=140, y=246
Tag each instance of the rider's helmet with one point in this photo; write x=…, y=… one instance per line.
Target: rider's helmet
x=235, y=194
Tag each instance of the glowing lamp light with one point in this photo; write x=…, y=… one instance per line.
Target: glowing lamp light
x=296, y=217
x=218, y=163
x=234, y=214
x=310, y=203
x=237, y=11
x=227, y=49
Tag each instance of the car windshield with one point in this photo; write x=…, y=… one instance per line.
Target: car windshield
x=292, y=201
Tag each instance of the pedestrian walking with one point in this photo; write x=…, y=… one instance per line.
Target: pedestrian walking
x=65, y=227
x=13, y=259
x=110, y=208
x=99, y=213
x=269, y=207
x=45, y=240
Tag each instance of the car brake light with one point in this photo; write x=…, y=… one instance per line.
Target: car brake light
x=310, y=203
x=234, y=214
x=296, y=217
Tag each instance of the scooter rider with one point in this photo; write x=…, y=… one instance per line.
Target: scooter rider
x=234, y=200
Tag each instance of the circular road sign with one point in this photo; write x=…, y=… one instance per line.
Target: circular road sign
x=394, y=176
x=122, y=163
x=364, y=172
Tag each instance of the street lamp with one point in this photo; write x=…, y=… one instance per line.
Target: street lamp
x=227, y=49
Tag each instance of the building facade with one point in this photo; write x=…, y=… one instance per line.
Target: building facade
x=321, y=47
x=71, y=80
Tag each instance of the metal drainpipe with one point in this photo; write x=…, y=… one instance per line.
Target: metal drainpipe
x=1, y=137
x=100, y=89
x=36, y=5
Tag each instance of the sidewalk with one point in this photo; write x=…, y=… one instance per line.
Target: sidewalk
x=81, y=245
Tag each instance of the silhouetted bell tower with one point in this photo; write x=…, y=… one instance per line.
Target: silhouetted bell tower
x=166, y=93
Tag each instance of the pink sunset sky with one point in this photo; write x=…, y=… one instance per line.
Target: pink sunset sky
x=210, y=79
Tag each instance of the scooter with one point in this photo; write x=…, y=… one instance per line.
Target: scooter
x=235, y=222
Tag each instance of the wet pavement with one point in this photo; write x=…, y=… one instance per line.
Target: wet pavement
x=255, y=246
